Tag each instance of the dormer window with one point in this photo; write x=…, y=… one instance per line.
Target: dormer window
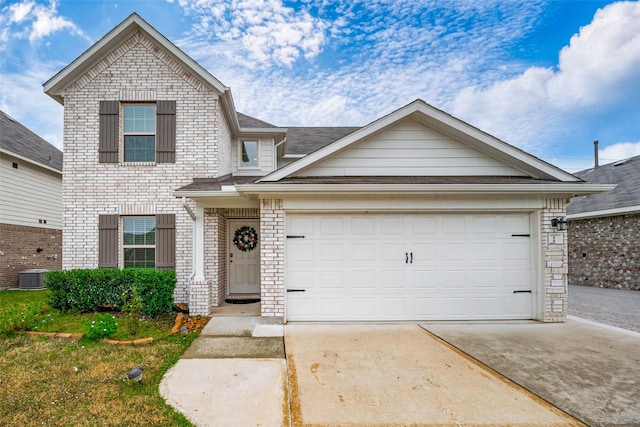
x=249, y=154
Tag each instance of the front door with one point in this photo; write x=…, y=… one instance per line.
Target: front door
x=244, y=256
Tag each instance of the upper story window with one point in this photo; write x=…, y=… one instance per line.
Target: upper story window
x=139, y=129
x=249, y=154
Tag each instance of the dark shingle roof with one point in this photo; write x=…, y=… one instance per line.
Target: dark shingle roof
x=19, y=140
x=305, y=140
x=216, y=184
x=625, y=173
x=251, y=122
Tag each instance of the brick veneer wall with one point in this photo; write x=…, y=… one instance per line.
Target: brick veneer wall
x=139, y=70
x=605, y=252
x=18, y=251
x=554, y=249
x=272, y=258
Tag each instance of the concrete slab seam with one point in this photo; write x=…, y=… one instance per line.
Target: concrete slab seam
x=502, y=378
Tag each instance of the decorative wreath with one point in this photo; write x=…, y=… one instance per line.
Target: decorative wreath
x=245, y=238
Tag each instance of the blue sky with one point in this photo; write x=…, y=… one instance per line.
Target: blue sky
x=547, y=76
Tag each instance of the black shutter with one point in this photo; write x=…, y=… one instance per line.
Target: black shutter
x=166, y=132
x=166, y=241
x=108, y=241
x=109, y=132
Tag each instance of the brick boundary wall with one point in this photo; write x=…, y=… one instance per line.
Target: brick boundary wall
x=18, y=251
x=605, y=252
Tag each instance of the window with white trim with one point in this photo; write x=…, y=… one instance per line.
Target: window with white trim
x=139, y=242
x=248, y=157
x=139, y=130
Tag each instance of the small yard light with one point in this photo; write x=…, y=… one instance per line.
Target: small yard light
x=559, y=223
x=184, y=330
x=135, y=375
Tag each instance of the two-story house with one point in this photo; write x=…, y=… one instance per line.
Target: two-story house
x=417, y=215
x=30, y=203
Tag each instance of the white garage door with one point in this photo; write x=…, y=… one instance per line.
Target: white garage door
x=408, y=267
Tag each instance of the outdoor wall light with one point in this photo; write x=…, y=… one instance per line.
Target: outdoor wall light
x=559, y=223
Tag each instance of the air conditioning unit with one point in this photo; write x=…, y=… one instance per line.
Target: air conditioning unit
x=32, y=279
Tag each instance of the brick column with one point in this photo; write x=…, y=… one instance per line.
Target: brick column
x=554, y=252
x=272, y=258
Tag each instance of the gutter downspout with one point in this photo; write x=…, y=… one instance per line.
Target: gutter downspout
x=187, y=208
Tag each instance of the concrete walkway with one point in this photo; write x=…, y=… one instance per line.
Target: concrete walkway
x=234, y=374
x=586, y=370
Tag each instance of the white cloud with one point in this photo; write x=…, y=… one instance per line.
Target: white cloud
x=268, y=31
x=598, y=67
x=28, y=20
x=40, y=114
x=619, y=151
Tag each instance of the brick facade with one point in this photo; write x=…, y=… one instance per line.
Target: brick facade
x=19, y=251
x=605, y=252
x=272, y=258
x=554, y=249
x=91, y=188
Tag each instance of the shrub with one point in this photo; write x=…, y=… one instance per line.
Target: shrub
x=89, y=290
x=132, y=306
x=102, y=326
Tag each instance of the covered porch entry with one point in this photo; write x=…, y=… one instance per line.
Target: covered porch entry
x=226, y=250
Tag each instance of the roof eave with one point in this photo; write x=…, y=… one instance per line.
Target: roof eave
x=626, y=210
x=28, y=160
x=565, y=189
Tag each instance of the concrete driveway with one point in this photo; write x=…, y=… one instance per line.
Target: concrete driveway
x=591, y=372
x=399, y=374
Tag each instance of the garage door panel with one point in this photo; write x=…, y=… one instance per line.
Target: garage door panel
x=358, y=267
x=331, y=252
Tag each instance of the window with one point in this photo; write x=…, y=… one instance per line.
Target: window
x=248, y=154
x=139, y=133
x=139, y=242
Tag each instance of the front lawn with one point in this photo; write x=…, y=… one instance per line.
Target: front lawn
x=48, y=381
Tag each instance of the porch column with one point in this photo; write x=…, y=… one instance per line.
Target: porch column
x=555, y=258
x=272, y=258
x=198, y=247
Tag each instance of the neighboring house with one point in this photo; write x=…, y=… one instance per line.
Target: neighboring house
x=30, y=202
x=604, y=229
x=414, y=216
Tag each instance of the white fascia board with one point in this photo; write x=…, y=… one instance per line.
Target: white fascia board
x=26, y=159
x=606, y=212
x=55, y=86
x=565, y=189
x=442, y=122
x=254, y=131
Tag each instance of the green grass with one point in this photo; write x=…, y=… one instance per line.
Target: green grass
x=47, y=381
x=52, y=320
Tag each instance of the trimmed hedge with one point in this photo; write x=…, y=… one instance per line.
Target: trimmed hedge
x=89, y=290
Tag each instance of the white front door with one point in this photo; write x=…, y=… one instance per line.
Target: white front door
x=409, y=267
x=244, y=256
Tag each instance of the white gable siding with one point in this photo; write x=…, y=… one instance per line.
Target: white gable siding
x=410, y=149
x=266, y=156
x=30, y=195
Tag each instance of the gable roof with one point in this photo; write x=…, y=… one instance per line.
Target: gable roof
x=251, y=122
x=305, y=140
x=625, y=198
x=441, y=122
x=56, y=85
x=17, y=140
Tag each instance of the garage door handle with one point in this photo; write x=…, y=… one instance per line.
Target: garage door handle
x=411, y=257
x=296, y=290
x=522, y=292
x=406, y=257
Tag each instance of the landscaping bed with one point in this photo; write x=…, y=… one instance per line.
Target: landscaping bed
x=73, y=380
